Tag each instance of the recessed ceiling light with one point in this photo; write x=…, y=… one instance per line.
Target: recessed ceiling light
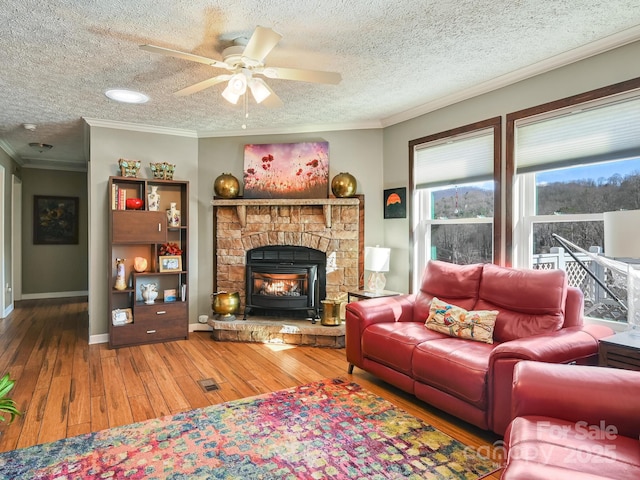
x=126, y=96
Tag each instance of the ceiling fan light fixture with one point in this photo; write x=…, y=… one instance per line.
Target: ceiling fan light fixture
x=259, y=89
x=41, y=147
x=236, y=87
x=126, y=96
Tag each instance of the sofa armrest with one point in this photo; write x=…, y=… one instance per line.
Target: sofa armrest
x=575, y=344
x=362, y=314
x=563, y=346
x=604, y=397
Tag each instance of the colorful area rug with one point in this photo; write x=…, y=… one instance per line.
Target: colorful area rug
x=328, y=429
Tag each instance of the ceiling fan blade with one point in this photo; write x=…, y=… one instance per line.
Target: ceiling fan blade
x=202, y=85
x=261, y=43
x=314, y=76
x=184, y=56
x=272, y=101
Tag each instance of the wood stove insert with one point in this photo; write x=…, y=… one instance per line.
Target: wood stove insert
x=283, y=279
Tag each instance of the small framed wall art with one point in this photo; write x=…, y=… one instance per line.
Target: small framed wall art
x=395, y=203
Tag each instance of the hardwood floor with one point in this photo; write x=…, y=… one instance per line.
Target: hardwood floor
x=65, y=387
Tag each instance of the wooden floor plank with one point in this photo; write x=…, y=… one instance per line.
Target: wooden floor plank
x=118, y=408
x=66, y=387
x=56, y=412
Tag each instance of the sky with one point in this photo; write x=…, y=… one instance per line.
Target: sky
x=592, y=172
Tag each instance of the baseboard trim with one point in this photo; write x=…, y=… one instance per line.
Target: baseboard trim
x=7, y=311
x=40, y=296
x=100, y=338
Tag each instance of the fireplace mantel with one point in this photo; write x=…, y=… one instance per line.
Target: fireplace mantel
x=241, y=205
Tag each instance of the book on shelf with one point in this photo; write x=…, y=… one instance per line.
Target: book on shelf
x=114, y=196
x=122, y=199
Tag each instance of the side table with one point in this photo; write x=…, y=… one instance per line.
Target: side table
x=621, y=350
x=366, y=294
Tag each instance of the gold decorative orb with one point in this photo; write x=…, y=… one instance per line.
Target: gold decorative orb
x=344, y=185
x=225, y=304
x=226, y=186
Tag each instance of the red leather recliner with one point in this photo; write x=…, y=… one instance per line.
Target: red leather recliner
x=573, y=422
x=540, y=318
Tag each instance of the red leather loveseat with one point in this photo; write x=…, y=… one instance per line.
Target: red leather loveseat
x=572, y=422
x=538, y=318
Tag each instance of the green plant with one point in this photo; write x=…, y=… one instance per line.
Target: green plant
x=7, y=405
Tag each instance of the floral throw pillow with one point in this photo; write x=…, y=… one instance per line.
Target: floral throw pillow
x=457, y=322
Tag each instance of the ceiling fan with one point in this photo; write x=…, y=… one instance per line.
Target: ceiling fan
x=243, y=64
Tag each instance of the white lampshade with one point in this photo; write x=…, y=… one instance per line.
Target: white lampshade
x=259, y=89
x=376, y=259
x=622, y=234
x=235, y=88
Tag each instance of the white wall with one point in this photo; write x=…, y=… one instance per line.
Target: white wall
x=595, y=72
x=107, y=145
x=358, y=152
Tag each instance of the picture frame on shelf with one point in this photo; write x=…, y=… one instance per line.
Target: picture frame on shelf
x=170, y=295
x=170, y=263
x=121, y=316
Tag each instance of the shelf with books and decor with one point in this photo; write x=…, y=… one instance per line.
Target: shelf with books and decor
x=148, y=260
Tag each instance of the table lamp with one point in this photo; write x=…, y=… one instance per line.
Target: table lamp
x=621, y=233
x=376, y=260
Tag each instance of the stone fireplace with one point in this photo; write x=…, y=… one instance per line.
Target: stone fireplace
x=333, y=226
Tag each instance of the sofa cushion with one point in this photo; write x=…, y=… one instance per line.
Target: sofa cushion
x=563, y=449
x=392, y=344
x=457, y=322
x=456, y=366
x=449, y=282
x=530, y=302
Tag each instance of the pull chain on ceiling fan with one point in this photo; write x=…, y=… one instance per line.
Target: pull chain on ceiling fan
x=244, y=63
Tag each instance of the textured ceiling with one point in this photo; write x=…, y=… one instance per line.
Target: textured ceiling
x=397, y=58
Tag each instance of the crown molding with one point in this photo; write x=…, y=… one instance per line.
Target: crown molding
x=566, y=58
x=138, y=127
x=46, y=164
x=11, y=152
x=373, y=124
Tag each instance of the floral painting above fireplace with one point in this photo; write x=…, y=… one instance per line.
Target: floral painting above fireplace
x=286, y=170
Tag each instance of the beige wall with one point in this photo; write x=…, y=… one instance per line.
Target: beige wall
x=358, y=152
x=598, y=71
x=107, y=146
x=53, y=270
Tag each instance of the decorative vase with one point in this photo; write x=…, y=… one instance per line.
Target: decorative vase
x=225, y=304
x=120, y=284
x=344, y=185
x=153, y=199
x=226, y=186
x=173, y=215
x=149, y=292
x=134, y=203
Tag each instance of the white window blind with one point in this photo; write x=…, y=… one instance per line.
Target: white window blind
x=586, y=134
x=463, y=159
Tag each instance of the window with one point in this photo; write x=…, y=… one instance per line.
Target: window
x=571, y=161
x=453, y=207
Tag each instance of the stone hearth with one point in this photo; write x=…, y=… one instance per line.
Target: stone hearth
x=278, y=331
x=334, y=226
